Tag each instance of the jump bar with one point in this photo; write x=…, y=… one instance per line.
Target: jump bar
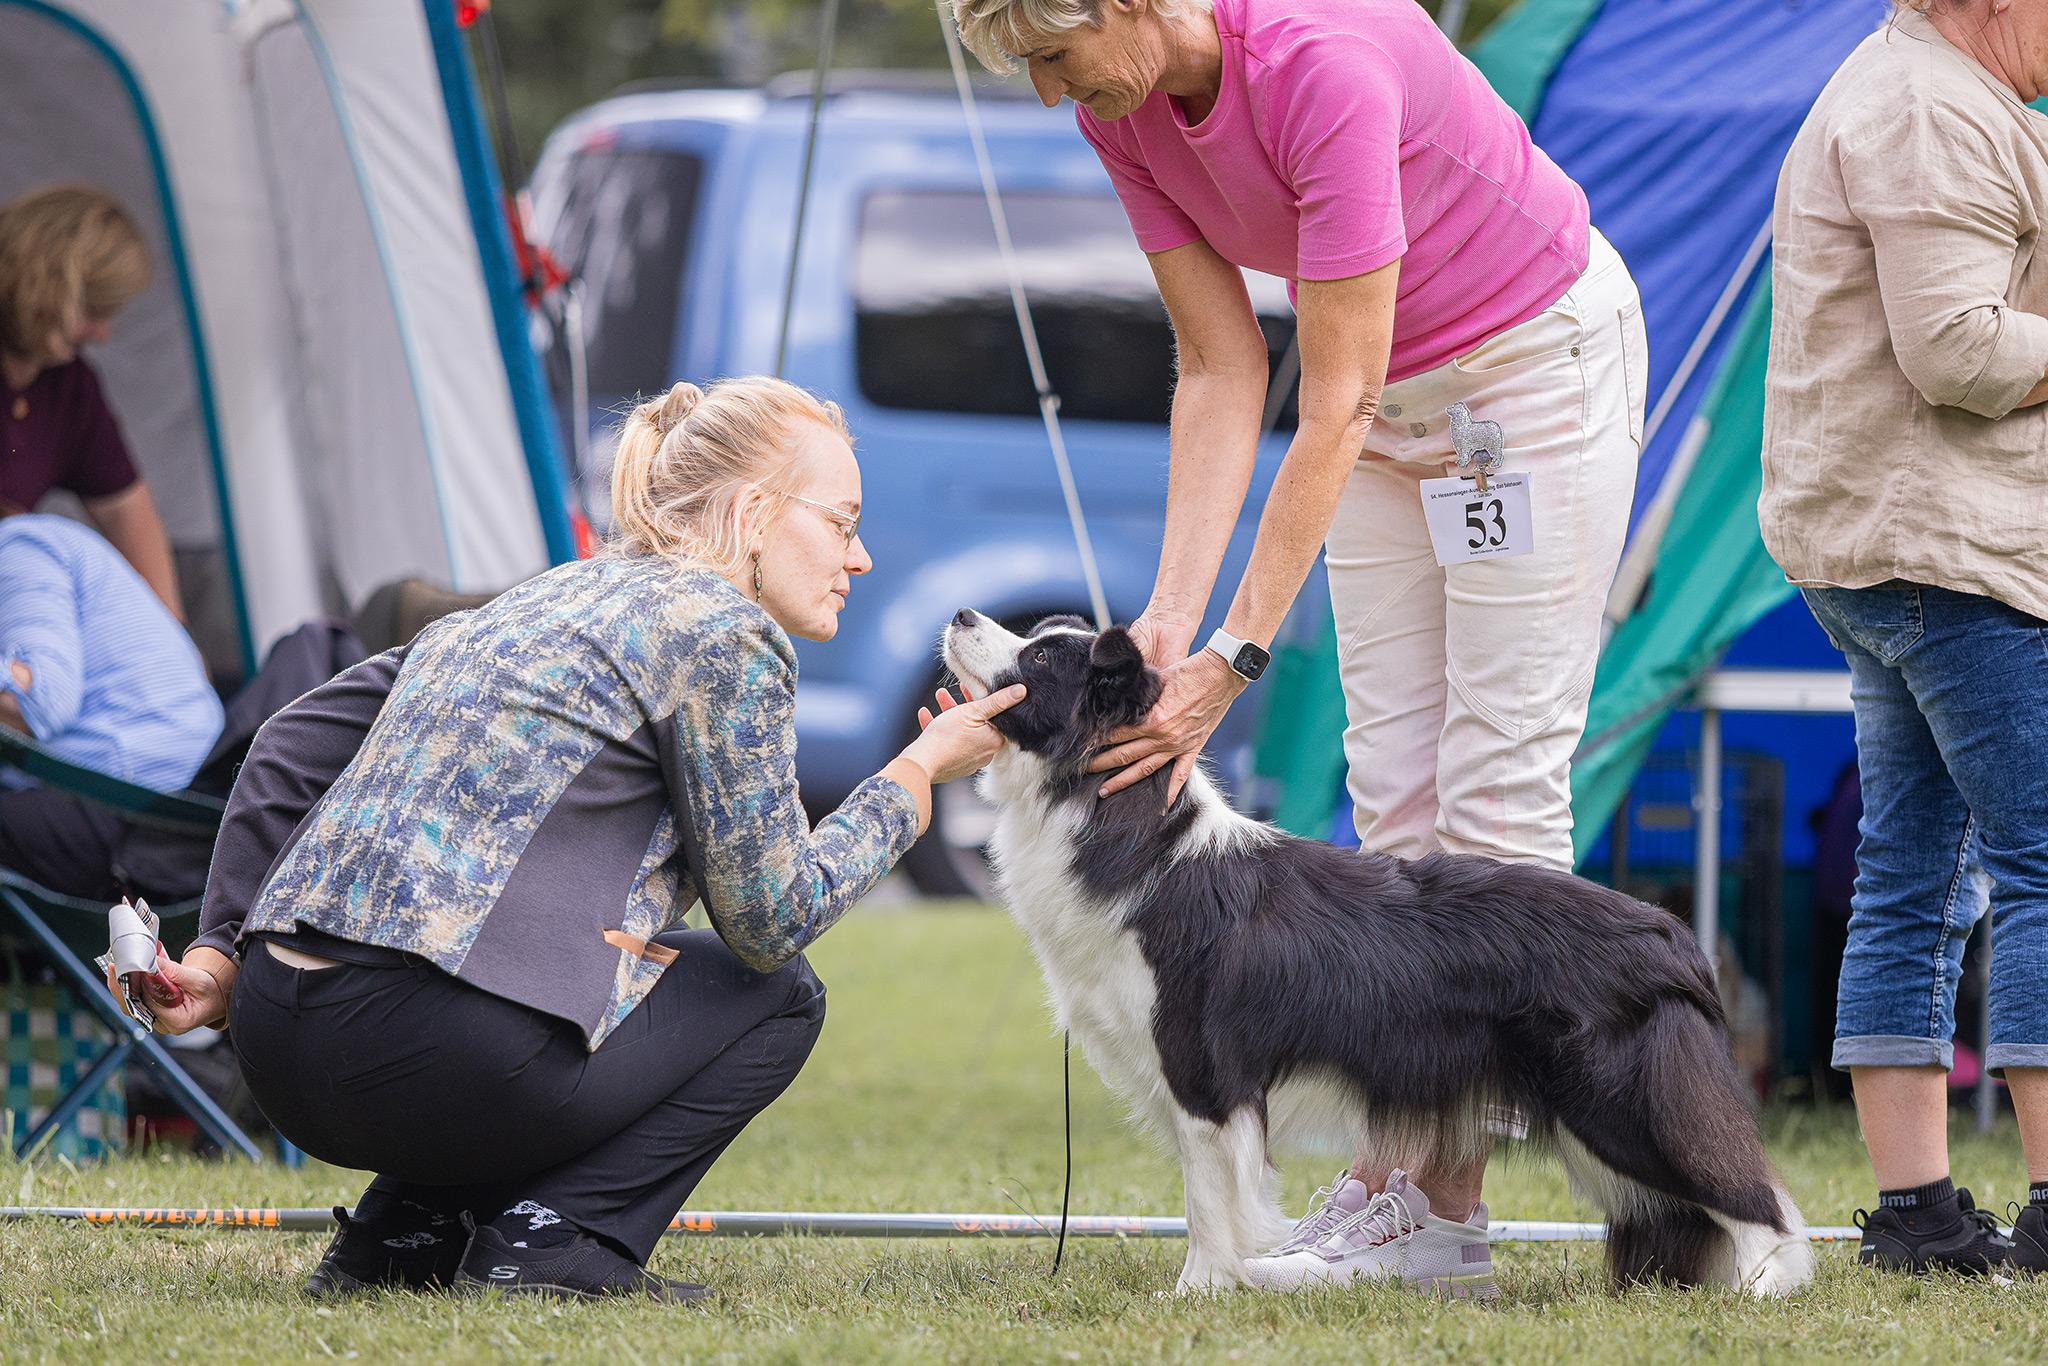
x=759, y=1224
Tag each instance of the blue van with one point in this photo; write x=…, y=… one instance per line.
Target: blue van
x=675, y=210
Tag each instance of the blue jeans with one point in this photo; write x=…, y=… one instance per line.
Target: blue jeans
x=1951, y=696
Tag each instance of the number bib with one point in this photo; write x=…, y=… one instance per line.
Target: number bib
x=1467, y=525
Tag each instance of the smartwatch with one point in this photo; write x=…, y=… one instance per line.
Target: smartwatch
x=1245, y=659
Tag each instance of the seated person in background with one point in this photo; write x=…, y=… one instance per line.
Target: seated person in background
x=70, y=259
x=97, y=671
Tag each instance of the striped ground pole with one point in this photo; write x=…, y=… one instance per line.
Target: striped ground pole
x=793, y=1223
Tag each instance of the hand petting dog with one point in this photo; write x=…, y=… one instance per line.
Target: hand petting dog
x=1197, y=690
x=963, y=741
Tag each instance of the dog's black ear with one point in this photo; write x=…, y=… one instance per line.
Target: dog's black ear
x=1120, y=688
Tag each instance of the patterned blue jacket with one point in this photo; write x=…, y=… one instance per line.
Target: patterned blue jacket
x=510, y=812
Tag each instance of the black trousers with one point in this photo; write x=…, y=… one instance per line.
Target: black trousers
x=461, y=1100
x=63, y=841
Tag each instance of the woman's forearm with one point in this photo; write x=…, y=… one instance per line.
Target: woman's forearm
x=1292, y=528
x=1214, y=445
x=1346, y=329
x=909, y=775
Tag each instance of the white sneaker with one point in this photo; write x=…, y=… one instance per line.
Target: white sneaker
x=1392, y=1235
x=1332, y=1205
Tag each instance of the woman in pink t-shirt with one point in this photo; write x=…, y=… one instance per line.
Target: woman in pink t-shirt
x=1436, y=258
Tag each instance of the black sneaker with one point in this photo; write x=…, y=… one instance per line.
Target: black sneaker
x=2030, y=1239
x=1952, y=1236
x=365, y=1256
x=580, y=1269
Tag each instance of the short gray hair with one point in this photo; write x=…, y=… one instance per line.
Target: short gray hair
x=993, y=29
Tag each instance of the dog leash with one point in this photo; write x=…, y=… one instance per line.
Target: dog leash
x=1059, y=1251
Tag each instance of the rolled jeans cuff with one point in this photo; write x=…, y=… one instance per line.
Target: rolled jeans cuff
x=1895, y=1050
x=2000, y=1056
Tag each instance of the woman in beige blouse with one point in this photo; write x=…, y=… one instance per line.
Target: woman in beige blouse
x=1906, y=491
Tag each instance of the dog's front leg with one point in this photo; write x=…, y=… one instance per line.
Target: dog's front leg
x=1210, y=1169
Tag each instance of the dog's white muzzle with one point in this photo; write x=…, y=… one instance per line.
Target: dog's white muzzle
x=976, y=649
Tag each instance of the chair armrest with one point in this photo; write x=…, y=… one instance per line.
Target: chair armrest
x=185, y=812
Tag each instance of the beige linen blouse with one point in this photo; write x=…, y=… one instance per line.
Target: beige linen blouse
x=1909, y=318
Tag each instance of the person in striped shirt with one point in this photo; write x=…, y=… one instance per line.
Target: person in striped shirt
x=95, y=669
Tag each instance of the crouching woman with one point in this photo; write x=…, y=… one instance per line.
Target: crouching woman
x=441, y=917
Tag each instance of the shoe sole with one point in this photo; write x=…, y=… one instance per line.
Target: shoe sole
x=1469, y=1285
x=476, y=1287
x=330, y=1284
x=1913, y=1266
x=1475, y=1285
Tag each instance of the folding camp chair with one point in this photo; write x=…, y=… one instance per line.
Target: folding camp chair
x=73, y=930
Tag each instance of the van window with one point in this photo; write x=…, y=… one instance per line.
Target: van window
x=620, y=221
x=934, y=330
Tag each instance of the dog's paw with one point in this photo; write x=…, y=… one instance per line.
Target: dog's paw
x=1785, y=1269
x=1207, y=1278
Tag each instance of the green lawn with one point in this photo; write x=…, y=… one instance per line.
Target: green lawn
x=936, y=1086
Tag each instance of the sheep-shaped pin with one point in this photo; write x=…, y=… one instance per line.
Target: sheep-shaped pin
x=1478, y=444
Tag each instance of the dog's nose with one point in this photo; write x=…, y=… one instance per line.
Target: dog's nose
x=966, y=616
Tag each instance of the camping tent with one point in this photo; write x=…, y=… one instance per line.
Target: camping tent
x=328, y=383
x=1675, y=116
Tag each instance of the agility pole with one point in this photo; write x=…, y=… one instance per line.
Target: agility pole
x=783, y=1224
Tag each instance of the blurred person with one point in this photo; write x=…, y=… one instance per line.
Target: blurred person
x=1436, y=256
x=70, y=260
x=442, y=914
x=98, y=673
x=1905, y=461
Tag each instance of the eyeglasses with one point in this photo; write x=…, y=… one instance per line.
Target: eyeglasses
x=847, y=522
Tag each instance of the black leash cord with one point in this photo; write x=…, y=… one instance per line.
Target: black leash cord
x=1067, y=1109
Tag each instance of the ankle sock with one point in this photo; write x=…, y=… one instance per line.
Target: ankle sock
x=1913, y=1203
x=529, y=1223
x=2037, y=1193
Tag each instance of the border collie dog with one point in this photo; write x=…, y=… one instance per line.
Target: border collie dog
x=1239, y=987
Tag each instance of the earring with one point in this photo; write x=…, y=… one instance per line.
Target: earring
x=757, y=576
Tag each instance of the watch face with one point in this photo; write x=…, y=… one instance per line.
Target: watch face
x=1250, y=661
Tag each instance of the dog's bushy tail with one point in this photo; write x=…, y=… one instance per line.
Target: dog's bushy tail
x=1666, y=1143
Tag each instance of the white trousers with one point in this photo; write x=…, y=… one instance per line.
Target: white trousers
x=1465, y=688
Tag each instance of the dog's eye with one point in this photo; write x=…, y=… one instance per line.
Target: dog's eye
x=1038, y=656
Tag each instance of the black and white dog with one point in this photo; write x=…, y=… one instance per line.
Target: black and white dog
x=1238, y=986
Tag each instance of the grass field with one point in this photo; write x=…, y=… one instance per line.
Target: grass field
x=936, y=1086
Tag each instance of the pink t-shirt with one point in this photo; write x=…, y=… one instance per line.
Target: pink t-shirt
x=1348, y=134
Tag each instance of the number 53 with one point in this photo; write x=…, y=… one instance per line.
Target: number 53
x=1477, y=515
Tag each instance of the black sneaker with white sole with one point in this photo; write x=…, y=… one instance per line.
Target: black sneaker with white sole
x=1953, y=1235
x=368, y=1256
x=2030, y=1239
x=581, y=1268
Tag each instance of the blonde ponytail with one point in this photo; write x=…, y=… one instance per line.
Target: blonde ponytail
x=685, y=461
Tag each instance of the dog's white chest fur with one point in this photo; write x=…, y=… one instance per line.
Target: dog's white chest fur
x=1096, y=977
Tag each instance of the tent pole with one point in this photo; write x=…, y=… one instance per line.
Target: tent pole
x=1450, y=17
x=1706, y=896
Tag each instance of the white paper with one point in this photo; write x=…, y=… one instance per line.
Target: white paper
x=1466, y=525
